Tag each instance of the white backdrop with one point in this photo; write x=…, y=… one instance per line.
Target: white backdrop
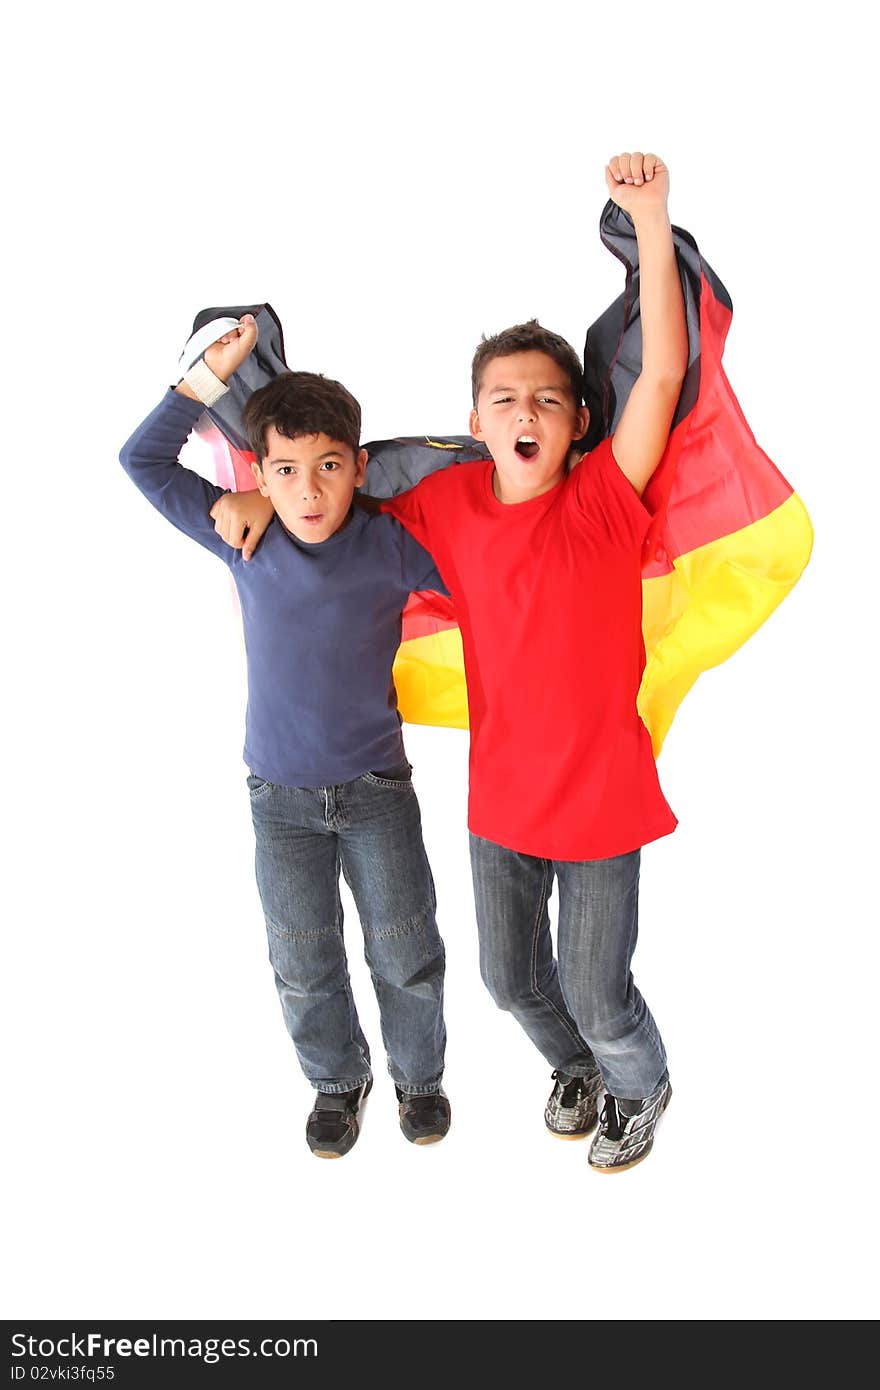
x=396, y=180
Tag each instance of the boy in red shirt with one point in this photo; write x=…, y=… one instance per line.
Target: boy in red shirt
x=543, y=564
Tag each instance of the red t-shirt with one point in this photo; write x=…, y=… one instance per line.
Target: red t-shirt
x=548, y=596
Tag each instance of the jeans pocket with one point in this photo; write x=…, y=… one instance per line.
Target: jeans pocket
x=396, y=778
x=257, y=786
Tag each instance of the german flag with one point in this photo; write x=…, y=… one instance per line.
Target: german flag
x=729, y=537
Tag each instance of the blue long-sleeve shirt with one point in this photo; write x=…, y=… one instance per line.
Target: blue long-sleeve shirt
x=321, y=622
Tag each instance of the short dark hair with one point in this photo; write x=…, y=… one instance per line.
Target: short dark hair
x=528, y=337
x=301, y=403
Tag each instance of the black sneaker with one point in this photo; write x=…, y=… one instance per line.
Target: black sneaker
x=573, y=1108
x=332, y=1127
x=626, y=1130
x=423, y=1119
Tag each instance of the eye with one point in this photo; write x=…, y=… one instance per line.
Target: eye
x=330, y=466
x=284, y=470
x=502, y=400
x=548, y=400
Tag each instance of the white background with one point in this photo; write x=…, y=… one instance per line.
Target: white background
x=397, y=180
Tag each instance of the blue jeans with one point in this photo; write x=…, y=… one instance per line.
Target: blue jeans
x=371, y=829
x=586, y=1011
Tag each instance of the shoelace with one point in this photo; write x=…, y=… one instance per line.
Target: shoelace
x=610, y=1119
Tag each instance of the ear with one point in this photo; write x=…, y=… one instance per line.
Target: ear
x=261, y=481
x=581, y=422
x=360, y=468
x=475, y=427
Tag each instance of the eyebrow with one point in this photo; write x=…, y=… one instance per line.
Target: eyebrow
x=558, y=386
x=330, y=454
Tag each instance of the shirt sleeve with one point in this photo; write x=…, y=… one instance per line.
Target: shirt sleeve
x=419, y=570
x=410, y=509
x=150, y=457
x=604, y=496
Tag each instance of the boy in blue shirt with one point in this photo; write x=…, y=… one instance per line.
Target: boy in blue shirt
x=329, y=782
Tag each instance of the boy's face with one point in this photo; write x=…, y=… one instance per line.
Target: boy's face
x=310, y=482
x=527, y=415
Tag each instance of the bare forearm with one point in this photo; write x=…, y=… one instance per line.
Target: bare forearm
x=661, y=307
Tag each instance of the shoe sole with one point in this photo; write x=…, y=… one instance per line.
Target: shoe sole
x=431, y=1137
x=624, y=1167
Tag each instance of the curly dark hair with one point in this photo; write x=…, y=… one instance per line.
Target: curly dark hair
x=301, y=403
x=528, y=337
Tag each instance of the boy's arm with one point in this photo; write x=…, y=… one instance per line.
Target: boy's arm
x=240, y=518
x=419, y=570
x=150, y=456
x=640, y=185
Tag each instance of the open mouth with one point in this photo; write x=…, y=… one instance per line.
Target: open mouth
x=527, y=447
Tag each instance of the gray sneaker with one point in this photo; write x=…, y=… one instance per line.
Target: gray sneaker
x=573, y=1108
x=624, y=1139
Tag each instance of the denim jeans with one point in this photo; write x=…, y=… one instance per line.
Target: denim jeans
x=371, y=829
x=586, y=1011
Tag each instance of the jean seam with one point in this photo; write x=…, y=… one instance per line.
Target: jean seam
x=401, y=785
x=411, y=924
x=353, y=1021
x=282, y=935
x=629, y=1016
x=533, y=962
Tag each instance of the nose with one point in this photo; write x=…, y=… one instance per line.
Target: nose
x=311, y=490
x=526, y=414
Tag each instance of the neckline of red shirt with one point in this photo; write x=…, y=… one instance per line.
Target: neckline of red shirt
x=518, y=508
